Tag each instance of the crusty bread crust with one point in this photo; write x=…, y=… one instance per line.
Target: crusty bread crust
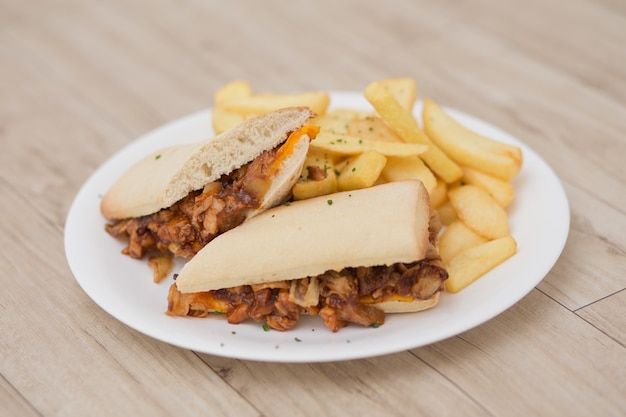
x=381, y=225
x=166, y=176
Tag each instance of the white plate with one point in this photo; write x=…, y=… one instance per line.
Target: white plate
x=539, y=219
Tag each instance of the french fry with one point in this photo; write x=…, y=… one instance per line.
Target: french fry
x=372, y=128
x=439, y=194
x=447, y=213
x=403, y=89
x=469, y=148
x=339, y=120
x=467, y=175
x=409, y=167
x=232, y=90
x=479, y=211
x=352, y=145
x=472, y=263
x=223, y=120
x=405, y=126
x=456, y=238
x=317, y=101
x=361, y=171
x=308, y=186
x=500, y=190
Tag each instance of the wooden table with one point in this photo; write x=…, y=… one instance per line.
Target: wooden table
x=79, y=80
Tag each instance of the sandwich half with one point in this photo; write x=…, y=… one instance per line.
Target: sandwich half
x=176, y=200
x=348, y=257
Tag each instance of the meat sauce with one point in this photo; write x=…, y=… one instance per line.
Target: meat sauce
x=188, y=225
x=346, y=296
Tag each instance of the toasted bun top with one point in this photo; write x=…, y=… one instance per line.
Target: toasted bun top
x=381, y=225
x=166, y=176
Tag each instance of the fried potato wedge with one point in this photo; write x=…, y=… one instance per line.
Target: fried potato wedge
x=447, y=213
x=351, y=145
x=339, y=120
x=466, y=174
x=468, y=148
x=409, y=167
x=406, y=127
x=222, y=120
x=318, y=177
x=403, y=89
x=472, y=263
x=372, y=128
x=439, y=194
x=479, y=211
x=263, y=103
x=501, y=190
x=456, y=238
x=232, y=90
x=360, y=171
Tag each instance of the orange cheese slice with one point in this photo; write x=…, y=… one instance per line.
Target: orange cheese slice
x=286, y=148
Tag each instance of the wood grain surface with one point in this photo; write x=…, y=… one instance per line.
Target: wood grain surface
x=79, y=80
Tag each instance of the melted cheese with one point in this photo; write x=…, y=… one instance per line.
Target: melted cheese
x=367, y=299
x=286, y=148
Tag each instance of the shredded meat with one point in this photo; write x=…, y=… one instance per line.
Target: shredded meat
x=346, y=296
x=341, y=296
x=187, y=226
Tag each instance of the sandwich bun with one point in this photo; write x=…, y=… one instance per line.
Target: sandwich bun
x=381, y=225
x=166, y=176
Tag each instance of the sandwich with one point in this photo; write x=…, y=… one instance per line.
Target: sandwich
x=348, y=257
x=176, y=200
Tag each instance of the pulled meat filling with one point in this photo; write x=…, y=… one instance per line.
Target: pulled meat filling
x=346, y=296
x=188, y=225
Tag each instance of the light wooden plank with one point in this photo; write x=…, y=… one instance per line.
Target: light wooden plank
x=596, y=42
x=12, y=403
x=388, y=385
x=608, y=315
x=535, y=359
x=98, y=55
x=66, y=356
x=593, y=263
x=560, y=137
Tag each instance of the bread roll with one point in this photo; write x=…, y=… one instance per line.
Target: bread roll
x=381, y=225
x=167, y=175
